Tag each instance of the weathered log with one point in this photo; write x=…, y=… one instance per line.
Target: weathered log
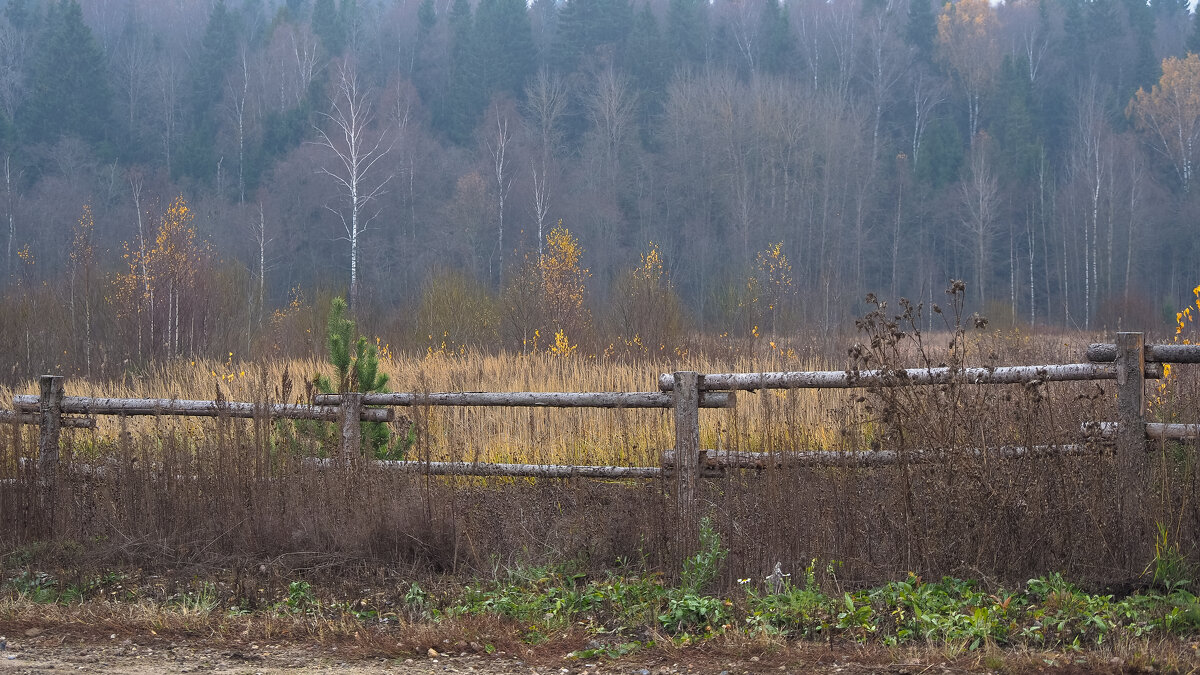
x=514, y=470
x=14, y=417
x=732, y=459
x=435, y=469
x=1157, y=431
x=842, y=379
x=1172, y=432
x=351, y=409
x=50, y=411
x=687, y=446
x=534, y=399
x=80, y=405
x=1107, y=353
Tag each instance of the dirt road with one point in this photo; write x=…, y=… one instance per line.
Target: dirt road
x=63, y=650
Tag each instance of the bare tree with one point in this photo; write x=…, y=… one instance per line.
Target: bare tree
x=927, y=95
x=305, y=50
x=168, y=90
x=260, y=238
x=10, y=204
x=887, y=63
x=545, y=103
x=147, y=295
x=498, y=148
x=14, y=51
x=132, y=60
x=237, y=87
x=357, y=147
x=611, y=110
x=1089, y=169
x=980, y=194
x=745, y=22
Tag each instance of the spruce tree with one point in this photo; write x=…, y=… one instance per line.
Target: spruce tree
x=1013, y=130
x=645, y=60
x=69, y=92
x=775, y=33
x=464, y=102
x=426, y=18
x=329, y=27
x=921, y=29
x=644, y=57
x=504, y=43
x=1193, y=41
x=585, y=25
x=941, y=154
x=357, y=364
x=687, y=31
x=197, y=156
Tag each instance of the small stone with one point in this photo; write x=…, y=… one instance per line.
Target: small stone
x=754, y=659
x=33, y=632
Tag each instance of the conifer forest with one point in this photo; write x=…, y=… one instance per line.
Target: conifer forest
x=190, y=178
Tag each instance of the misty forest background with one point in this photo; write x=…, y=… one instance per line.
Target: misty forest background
x=185, y=178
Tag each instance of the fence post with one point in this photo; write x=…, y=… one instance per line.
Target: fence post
x=687, y=450
x=50, y=409
x=350, y=415
x=1131, y=444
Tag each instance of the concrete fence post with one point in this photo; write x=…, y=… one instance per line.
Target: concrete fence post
x=1131, y=447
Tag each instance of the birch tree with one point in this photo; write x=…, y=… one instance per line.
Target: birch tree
x=545, y=105
x=357, y=147
x=498, y=149
x=980, y=194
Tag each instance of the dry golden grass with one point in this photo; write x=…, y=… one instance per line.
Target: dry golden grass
x=568, y=436
x=798, y=419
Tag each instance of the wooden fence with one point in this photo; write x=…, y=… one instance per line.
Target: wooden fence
x=1129, y=361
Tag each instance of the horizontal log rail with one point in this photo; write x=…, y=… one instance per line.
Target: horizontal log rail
x=736, y=459
x=1107, y=353
x=844, y=379
x=508, y=470
x=169, y=406
x=534, y=399
x=15, y=417
x=1155, y=431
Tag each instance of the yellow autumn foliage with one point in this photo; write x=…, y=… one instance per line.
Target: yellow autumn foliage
x=1170, y=113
